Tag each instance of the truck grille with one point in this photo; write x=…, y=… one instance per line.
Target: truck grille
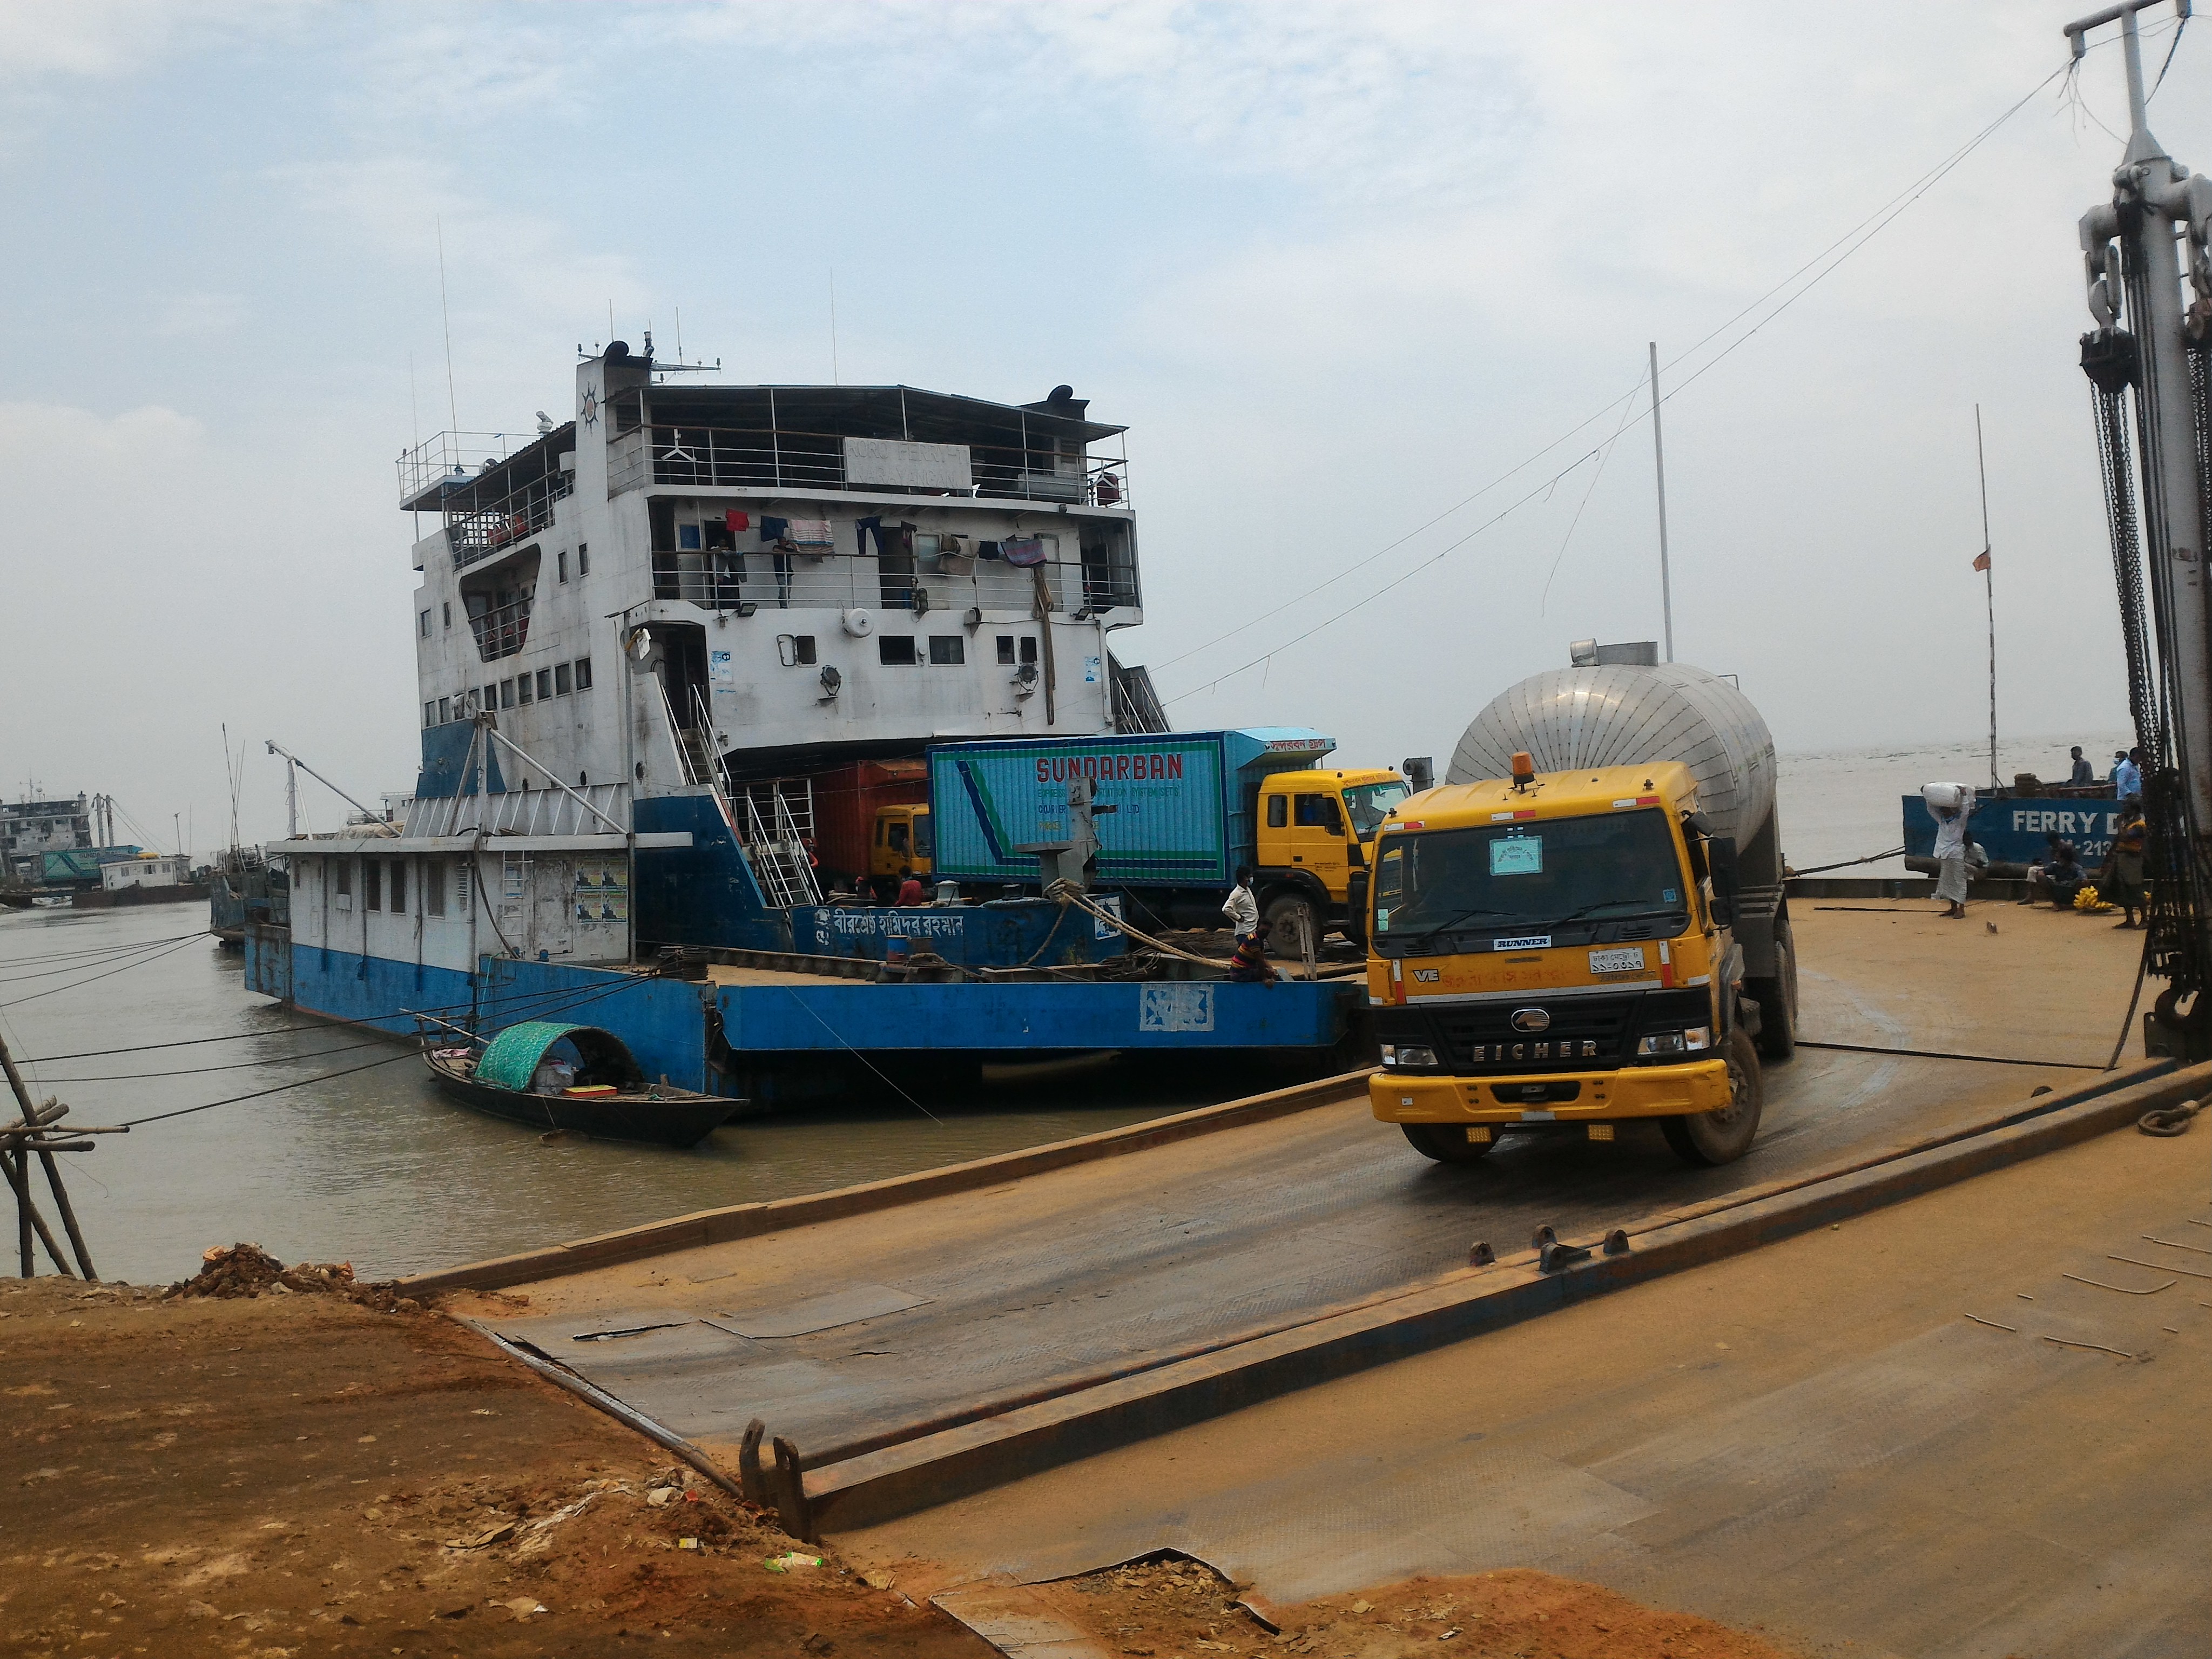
x=1583, y=1032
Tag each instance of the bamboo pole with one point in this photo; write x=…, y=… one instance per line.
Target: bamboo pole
x=34, y=1116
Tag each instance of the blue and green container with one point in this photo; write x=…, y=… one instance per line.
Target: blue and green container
x=1181, y=802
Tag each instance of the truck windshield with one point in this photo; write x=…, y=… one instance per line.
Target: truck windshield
x=1368, y=803
x=1527, y=877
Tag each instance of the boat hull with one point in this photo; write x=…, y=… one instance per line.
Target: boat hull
x=678, y=1122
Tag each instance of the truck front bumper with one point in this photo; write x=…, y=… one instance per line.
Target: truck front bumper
x=1599, y=1096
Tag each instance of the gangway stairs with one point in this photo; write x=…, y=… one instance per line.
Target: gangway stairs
x=771, y=841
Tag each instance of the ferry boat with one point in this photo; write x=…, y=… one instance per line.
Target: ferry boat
x=651, y=637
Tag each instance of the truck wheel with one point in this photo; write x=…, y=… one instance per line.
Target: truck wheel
x=1706, y=1139
x=1447, y=1143
x=1286, y=914
x=1778, y=1000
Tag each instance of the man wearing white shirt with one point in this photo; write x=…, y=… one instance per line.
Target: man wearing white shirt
x=1240, y=906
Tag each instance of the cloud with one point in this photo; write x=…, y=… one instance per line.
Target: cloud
x=182, y=315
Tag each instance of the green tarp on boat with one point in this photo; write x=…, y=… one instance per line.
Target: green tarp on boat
x=511, y=1059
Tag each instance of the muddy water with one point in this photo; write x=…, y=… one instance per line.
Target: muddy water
x=377, y=1167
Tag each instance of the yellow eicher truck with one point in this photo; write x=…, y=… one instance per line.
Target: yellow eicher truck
x=1592, y=936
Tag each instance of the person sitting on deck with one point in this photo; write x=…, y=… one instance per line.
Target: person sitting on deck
x=1250, y=963
x=909, y=892
x=2058, y=878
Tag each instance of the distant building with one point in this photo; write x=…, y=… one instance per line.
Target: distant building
x=29, y=828
x=146, y=871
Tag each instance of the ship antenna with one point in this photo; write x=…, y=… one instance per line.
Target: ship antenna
x=445, y=311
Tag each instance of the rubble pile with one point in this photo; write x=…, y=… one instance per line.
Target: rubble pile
x=247, y=1270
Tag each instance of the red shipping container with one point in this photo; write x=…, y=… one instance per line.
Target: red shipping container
x=845, y=802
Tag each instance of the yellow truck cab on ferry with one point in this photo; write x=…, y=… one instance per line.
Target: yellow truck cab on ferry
x=1316, y=833
x=1553, y=954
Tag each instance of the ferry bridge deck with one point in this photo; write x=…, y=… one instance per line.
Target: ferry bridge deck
x=877, y=1328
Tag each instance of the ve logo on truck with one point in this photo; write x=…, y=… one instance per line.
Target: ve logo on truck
x=1531, y=1019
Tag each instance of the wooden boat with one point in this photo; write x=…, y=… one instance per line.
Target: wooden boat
x=595, y=1087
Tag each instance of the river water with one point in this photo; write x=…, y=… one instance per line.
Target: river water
x=377, y=1168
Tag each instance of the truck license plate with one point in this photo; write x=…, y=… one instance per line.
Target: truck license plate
x=1616, y=962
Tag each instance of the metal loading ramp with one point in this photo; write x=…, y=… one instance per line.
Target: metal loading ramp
x=872, y=1331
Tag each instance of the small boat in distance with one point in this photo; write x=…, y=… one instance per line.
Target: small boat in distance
x=579, y=1078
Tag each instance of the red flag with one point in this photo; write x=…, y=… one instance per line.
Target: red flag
x=1981, y=559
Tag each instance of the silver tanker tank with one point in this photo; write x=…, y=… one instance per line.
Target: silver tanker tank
x=1620, y=714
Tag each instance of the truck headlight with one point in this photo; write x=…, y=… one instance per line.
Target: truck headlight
x=1675, y=1042
x=1408, y=1053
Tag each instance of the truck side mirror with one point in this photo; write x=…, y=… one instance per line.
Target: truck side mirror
x=1720, y=860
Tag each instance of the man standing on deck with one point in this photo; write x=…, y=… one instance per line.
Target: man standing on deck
x=2127, y=776
x=1240, y=906
x=2083, y=772
x=2121, y=881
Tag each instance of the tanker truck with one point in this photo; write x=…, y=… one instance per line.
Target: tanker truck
x=1584, y=924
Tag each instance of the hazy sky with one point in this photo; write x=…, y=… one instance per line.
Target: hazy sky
x=1338, y=267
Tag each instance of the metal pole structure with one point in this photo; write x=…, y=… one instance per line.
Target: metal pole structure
x=2157, y=208
x=1990, y=592
x=277, y=748
x=1659, y=459
x=2149, y=193
x=291, y=800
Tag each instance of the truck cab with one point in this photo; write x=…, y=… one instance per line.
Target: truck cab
x=1554, y=955
x=901, y=840
x=1314, y=834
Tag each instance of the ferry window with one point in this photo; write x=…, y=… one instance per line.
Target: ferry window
x=583, y=558
x=433, y=887
x=448, y=605
x=798, y=650
x=895, y=650
x=687, y=538
x=445, y=710
x=371, y=878
x=561, y=681
x=522, y=688
x=947, y=649
x=583, y=673
x=561, y=562
x=1279, y=812
x=1029, y=649
x=461, y=883
x=545, y=684
x=345, y=867
x=507, y=694
x=429, y=713
x=426, y=624
x=400, y=887
x=1006, y=648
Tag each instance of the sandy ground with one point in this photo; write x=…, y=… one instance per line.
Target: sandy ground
x=293, y=1475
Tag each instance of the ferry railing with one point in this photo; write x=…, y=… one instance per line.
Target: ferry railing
x=716, y=458
x=475, y=533
x=773, y=581
x=502, y=629
x=453, y=459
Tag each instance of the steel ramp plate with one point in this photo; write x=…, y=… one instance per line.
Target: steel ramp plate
x=821, y=1313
